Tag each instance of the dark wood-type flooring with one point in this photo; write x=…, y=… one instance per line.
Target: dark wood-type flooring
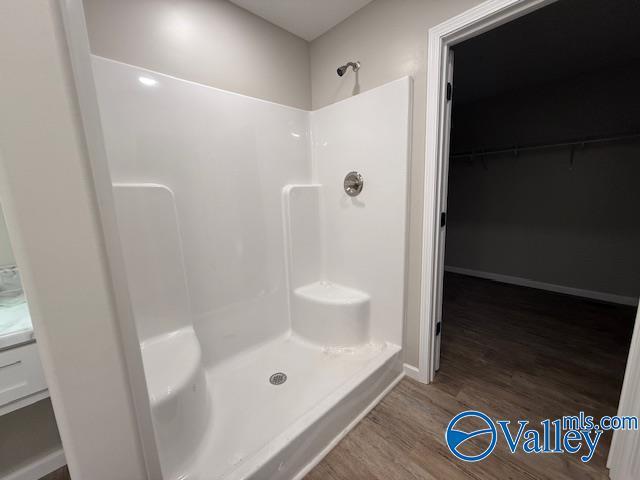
x=512, y=353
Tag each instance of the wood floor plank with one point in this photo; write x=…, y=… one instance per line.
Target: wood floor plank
x=513, y=353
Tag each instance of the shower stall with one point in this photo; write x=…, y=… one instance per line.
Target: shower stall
x=264, y=249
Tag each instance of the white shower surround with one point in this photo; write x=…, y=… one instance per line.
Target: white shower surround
x=238, y=241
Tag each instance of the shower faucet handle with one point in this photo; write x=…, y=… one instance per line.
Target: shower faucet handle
x=353, y=184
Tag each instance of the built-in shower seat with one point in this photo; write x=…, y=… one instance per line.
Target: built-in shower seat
x=331, y=314
x=178, y=394
x=172, y=364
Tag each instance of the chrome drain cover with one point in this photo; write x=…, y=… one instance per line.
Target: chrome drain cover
x=278, y=378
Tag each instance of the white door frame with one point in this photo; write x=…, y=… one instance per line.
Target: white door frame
x=442, y=37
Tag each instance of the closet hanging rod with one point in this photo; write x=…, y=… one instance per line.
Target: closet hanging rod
x=576, y=143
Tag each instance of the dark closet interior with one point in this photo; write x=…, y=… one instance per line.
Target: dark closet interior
x=542, y=265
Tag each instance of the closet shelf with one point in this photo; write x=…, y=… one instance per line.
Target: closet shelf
x=573, y=143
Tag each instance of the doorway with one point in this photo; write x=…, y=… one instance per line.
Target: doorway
x=532, y=238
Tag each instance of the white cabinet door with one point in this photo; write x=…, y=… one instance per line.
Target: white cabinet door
x=21, y=376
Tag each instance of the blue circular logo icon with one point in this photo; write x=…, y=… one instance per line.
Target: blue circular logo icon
x=456, y=438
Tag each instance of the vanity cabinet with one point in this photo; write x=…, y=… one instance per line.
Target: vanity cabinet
x=21, y=377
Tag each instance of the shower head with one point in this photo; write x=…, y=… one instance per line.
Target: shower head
x=343, y=69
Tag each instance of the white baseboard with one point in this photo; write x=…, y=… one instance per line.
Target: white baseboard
x=412, y=372
x=525, y=282
x=39, y=467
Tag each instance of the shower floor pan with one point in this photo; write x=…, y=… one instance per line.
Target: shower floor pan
x=279, y=432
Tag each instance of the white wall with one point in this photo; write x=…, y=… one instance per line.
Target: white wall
x=389, y=37
x=49, y=202
x=536, y=216
x=213, y=42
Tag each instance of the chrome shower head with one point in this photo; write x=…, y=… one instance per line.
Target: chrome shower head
x=343, y=69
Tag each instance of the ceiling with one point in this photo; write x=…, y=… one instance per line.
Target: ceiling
x=307, y=19
x=561, y=40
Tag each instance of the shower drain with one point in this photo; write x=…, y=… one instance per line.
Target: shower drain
x=278, y=378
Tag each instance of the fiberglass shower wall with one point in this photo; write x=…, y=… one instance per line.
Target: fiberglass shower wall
x=364, y=236
x=225, y=157
x=224, y=160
